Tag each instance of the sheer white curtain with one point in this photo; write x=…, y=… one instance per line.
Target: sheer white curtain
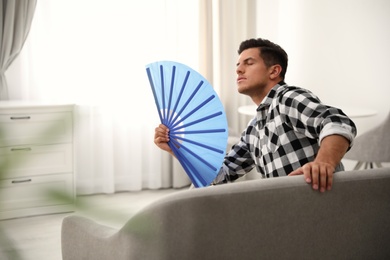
x=15, y=21
x=93, y=53
x=223, y=25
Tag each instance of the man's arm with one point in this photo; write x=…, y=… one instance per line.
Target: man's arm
x=320, y=172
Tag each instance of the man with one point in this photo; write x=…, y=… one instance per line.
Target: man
x=293, y=133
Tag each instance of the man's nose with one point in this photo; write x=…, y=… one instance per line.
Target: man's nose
x=239, y=70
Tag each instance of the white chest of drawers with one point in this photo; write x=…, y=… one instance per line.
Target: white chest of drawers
x=36, y=158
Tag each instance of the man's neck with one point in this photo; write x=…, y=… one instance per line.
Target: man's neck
x=259, y=98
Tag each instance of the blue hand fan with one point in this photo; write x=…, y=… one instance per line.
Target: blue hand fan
x=188, y=105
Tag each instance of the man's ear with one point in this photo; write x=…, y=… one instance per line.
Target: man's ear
x=275, y=71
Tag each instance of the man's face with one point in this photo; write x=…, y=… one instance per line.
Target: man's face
x=252, y=74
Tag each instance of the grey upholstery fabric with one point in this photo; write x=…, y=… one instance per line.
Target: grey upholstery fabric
x=279, y=218
x=373, y=145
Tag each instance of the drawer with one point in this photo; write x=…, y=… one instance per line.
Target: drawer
x=21, y=129
x=31, y=195
x=21, y=161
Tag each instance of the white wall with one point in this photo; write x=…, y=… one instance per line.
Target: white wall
x=339, y=49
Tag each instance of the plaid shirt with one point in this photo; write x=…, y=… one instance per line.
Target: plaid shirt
x=285, y=134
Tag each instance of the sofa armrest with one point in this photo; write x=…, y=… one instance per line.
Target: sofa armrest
x=279, y=218
x=82, y=238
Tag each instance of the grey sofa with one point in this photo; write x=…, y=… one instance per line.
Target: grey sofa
x=280, y=218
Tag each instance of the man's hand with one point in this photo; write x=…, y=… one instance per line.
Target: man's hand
x=320, y=172
x=161, y=138
x=320, y=175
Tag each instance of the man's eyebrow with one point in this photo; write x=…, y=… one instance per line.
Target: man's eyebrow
x=245, y=61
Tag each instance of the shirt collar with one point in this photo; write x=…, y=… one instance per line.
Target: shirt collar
x=270, y=96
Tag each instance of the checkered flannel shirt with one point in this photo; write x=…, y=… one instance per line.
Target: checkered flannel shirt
x=285, y=134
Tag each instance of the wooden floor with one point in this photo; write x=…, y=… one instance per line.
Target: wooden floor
x=39, y=237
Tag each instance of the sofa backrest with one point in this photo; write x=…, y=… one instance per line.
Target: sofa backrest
x=279, y=218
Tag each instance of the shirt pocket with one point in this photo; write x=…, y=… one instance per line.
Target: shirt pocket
x=271, y=138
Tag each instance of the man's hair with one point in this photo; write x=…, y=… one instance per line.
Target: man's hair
x=270, y=52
